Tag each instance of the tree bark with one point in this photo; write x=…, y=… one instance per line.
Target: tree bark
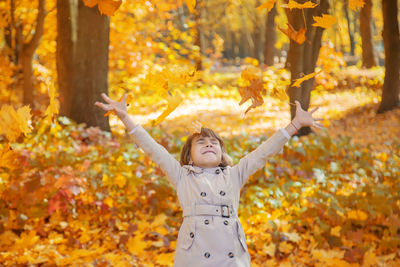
x=302, y=58
x=350, y=29
x=368, y=58
x=391, y=42
x=82, y=61
x=270, y=38
x=26, y=50
x=197, y=40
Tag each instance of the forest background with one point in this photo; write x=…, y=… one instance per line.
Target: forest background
x=74, y=188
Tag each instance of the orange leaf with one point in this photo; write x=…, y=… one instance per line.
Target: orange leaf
x=8, y=158
x=297, y=36
x=353, y=4
x=251, y=89
x=90, y=3
x=269, y=4
x=109, y=7
x=191, y=4
x=325, y=21
x=293, y=4
x=306, y=77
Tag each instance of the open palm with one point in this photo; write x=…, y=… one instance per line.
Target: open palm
x=305, y=118
x=119, y=107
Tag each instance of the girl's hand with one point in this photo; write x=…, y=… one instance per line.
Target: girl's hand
x=304, y=118
x=119, y=107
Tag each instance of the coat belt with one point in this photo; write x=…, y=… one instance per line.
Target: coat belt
x=225, y=211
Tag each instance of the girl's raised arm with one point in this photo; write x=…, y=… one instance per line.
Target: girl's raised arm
x=273, y=145
x=155, y=151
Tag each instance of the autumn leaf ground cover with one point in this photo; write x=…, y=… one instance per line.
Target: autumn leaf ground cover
x=85, y=197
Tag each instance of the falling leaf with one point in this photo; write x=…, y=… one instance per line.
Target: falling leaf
x=108, y=7
x=191, y=4
x=325, y=21
x=251, y=88
x=293, y=4
x=173, y=102
x=270, y=249
x=353, y=4
x=297, y=36
x=128, y=99
x=52, y=109
x=299, y=81
x=90, y=3
x=269, y=4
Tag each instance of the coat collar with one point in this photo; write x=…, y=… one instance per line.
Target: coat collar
x=198, y=170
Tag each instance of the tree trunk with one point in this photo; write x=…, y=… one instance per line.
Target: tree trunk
x=391, y=41
x=270, y=38
x=197, y=39
x=366, y=36
x=302, y=58
x=27, y=50
x=82, y=61
x=350, y=29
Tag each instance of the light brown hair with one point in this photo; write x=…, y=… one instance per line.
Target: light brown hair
x=205, y=132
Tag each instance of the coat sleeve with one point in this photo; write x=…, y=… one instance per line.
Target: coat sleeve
x=158, y=154
x=256, y=159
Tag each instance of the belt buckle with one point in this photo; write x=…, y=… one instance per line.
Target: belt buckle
x=222, y=211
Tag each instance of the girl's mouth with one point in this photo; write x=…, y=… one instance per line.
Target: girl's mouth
x=208, y=151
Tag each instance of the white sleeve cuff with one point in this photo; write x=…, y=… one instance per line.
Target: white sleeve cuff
x=134, y=129
x=285, y=133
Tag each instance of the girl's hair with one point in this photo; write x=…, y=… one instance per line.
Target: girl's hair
x=205, y=132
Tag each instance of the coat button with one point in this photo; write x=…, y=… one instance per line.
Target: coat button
x=222, y=193
x=207, y=254
x=230, y=255
x=206, y=222
x=226, y=222
x=203, y=194
x=191, y=234
x=217, y=171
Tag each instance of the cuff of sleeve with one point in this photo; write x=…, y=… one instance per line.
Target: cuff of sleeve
x=285, y=133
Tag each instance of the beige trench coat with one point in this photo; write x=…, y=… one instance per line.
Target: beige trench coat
x=211, y=233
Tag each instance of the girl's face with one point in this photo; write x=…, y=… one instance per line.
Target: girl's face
x=206, y=152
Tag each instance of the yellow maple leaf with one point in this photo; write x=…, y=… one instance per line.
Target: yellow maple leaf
x=164, y=258
x=353, y=4
x=335, y=231
x=325, y=21
x=357, y=215
x=191, y=4
x=13, y=123
x=269, y=250
x=108, y=7
x=293, y=4
x=120, y=180
x=297, y=36
x=173, y=102
x=285, y=247
x=299, y=81
x=269, y=4
x=136, y=245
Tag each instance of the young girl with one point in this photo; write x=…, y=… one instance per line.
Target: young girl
x=208, y=187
